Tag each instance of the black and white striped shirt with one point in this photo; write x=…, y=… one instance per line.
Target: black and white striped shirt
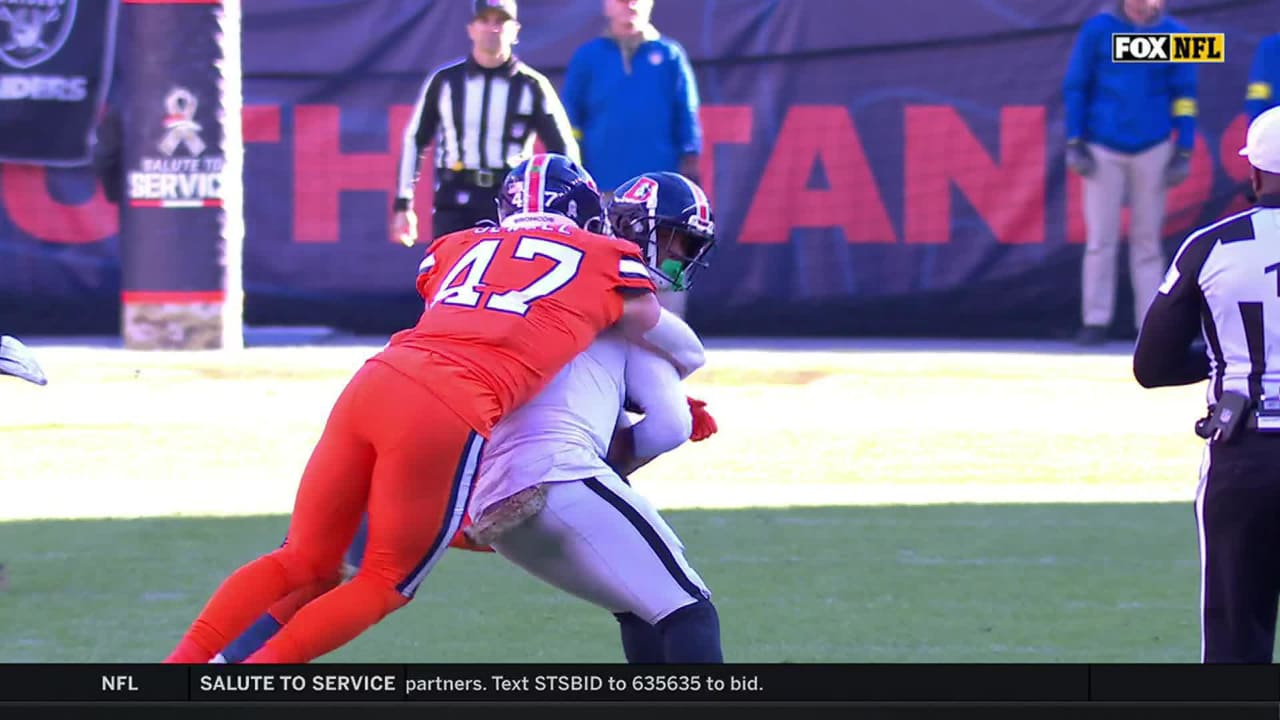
x=482, y=119
x=1223, y=285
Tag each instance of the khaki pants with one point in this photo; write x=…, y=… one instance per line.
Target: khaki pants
x=1140, y=178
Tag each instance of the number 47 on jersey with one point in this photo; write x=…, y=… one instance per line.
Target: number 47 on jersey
x=473, y=265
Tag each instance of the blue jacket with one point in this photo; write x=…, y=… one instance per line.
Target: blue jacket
x=1127, y=107
x=1264, y=78
x=632, y=120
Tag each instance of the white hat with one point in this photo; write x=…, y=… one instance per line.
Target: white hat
x=1262, y=142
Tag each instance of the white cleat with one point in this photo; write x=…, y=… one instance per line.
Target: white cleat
x=17, y=360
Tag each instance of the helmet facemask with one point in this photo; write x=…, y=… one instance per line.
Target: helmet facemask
x=673, y=251
x=681, y=253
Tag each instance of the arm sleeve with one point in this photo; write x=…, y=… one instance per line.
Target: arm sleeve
x=1184, y=110
x=418, y=134
x=1260, y=93
x=688, y=126
x=552, y=124
x=1163, y=355
x=633, y=274
x=653, y=385
x=429, y=269
x=1077, y=85
x=674, y=340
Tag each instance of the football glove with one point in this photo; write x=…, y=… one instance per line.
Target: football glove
x=1178, y=169
x=704, y=426
x=1080, y=158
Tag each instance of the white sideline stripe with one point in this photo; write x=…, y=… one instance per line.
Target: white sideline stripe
x=149, y=499
x=1201, y=491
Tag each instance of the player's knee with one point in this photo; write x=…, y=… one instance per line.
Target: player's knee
x=390, y=597
x=303, y=568
x=691, y=634
x=630, y=620
x=702, y=612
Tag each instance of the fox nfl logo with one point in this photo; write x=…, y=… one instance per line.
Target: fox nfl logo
x=1168, y=47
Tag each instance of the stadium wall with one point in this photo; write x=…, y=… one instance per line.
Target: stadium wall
x=876, y=168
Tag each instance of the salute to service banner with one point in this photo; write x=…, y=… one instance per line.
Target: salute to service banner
x=55, y=68
x=897, y=683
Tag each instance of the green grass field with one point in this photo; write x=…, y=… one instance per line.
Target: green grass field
x=862, y=506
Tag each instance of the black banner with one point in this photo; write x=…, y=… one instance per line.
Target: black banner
x=873, y=684
x=171, y=220
x=55, y=68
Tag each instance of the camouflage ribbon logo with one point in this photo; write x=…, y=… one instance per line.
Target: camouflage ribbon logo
x=179, y=123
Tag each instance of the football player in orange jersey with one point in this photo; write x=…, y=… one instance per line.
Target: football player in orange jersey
x=550, y=453
x=507, y=307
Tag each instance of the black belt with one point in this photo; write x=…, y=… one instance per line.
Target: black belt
x=1250, y=422
x=474, y=178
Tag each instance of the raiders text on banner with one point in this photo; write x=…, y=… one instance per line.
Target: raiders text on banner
x=55, y=68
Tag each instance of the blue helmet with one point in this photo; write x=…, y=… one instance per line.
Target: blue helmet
x=670, y=218
x=550, y=183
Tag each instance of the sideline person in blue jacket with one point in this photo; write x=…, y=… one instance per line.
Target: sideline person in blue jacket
x=633, y=102
x=1264, y=78
x=1119, y=119
x=632, y=98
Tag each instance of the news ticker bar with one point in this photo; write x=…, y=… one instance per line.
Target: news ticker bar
x=44, y=683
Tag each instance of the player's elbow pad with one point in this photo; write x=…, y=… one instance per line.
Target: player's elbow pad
x=672, y=337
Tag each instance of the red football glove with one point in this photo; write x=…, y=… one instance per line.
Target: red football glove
x=704, y=426
x=462, y=542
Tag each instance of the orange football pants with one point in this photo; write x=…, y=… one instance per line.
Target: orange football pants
x=389, y=445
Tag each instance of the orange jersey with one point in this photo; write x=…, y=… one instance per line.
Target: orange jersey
x=507, y=307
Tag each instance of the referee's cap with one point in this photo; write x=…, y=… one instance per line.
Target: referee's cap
x=1262, y=142
x=507, y=7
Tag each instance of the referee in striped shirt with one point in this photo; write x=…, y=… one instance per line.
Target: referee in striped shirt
x=1224, y=286
x=482, y=114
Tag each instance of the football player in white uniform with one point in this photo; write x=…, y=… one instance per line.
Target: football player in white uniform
x=546, y=498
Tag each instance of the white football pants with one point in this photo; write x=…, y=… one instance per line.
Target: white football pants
x=603, y=542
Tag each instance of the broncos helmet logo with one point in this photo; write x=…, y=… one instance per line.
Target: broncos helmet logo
x=669, y=217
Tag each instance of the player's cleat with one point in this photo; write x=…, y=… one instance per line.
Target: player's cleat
x=17, y=360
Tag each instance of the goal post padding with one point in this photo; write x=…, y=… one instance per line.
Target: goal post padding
x=182, y=214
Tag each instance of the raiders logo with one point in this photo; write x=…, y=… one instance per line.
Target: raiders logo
x=32, y=31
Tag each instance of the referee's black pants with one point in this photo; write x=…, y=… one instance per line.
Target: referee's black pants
x=1238, y=518
x=460, y=208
